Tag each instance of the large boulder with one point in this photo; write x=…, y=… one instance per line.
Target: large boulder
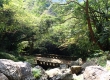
x=3, y=77
x=59, y=74
x=16, y=70
x=96, y=73
x=53, y=72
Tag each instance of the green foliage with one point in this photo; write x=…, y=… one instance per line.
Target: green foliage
x=14, y=57
x=4, y=55
x=99, y=56
x=36, y=7
x=21, y=58
x=2, y=2
x=22, y=46
x=47, y=26
x=30, y=59
x=99, y=14
x=102, y=60
x=36, y=72
x=14, y=28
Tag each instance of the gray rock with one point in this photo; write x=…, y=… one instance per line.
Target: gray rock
x=78, y=77
x=88, y=63
x=53, y=72
x=108, y=65
x=78, y=62
x=3, y=77
x=16, y=70
x=96, y=73
x=63, y=66
x=59, y=74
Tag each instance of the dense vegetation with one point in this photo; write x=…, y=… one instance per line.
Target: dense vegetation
x=70, y=28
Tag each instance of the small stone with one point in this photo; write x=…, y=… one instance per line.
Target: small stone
x=75, y=69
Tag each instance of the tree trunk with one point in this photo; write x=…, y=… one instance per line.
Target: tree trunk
x=90, y=27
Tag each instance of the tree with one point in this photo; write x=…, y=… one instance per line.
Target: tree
x=100, y=19
x=36, y=7
x=15, y=27
x=95, y=15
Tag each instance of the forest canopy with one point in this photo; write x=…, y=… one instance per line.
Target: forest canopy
x=43, y=26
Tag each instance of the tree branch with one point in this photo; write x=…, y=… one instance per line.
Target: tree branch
x=69, y=19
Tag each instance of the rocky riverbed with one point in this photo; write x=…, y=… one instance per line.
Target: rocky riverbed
x=10, y=70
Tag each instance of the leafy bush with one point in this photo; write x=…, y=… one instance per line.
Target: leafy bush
x=4, y=55
x=22, y=46
x=99, y=56
x=21, y=58
x=36, y=72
